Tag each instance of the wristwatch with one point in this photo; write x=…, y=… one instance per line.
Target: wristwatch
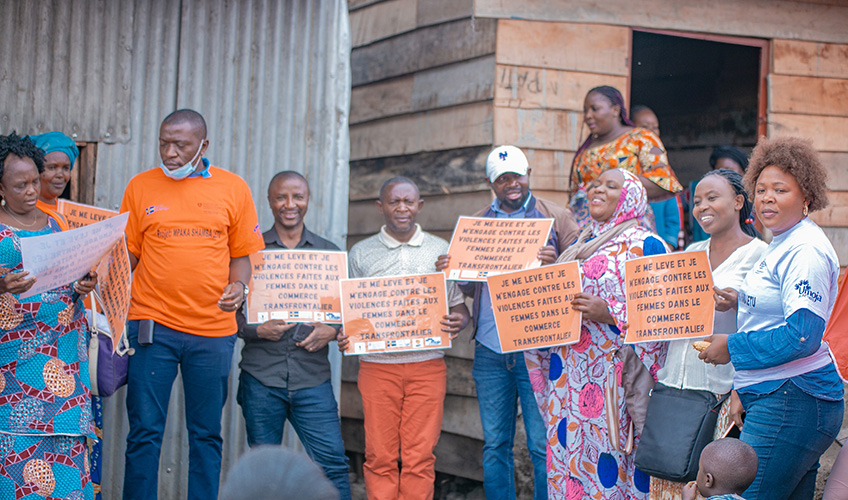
x=246, y=289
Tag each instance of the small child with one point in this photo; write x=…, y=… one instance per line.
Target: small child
x=726, y=468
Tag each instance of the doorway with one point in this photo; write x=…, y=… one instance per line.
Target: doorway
x=705, y=90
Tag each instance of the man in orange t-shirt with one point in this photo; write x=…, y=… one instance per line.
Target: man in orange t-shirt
x=190, y=232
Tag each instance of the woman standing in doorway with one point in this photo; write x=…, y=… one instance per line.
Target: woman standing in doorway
x=614, y=142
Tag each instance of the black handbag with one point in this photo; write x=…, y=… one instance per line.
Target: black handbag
x=678, y=425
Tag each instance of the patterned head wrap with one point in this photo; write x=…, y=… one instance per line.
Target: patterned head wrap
x=632, y=204
x=57, y=141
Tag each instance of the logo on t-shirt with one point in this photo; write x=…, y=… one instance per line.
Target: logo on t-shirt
x=805, y=290
x=155, y=208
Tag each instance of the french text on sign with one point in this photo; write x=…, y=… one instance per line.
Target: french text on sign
x=298, y=286
x=669, y=297
x=533, y=307
x=395, y=313
x=114, y=274
x=483, y=247
x=57, y=259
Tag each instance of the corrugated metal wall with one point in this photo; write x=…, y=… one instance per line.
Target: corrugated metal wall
x=272, y=79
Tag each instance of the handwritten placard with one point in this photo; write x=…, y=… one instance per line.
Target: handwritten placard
x=57, y=259
x=114, y=284
x=669, y=297
x=533, y=307
x=295, y=285
x=482, y=247
x=79, y=214
x=394, y=313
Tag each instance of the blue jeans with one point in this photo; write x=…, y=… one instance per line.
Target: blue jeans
x=204, y=363
x=502, y=381
x=789, y=430
x=313, y=414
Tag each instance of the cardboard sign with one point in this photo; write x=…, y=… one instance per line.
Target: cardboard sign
x=79, y=215
x=57, y=259
x=114, y=274
x=533, y=307
x=669, y=297
x=395, y=313
x=296, y=286
x=834, y=333
x=482, y=247
x=114, y=284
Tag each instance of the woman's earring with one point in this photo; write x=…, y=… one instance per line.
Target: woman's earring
x=806, y=209
x=3, y=202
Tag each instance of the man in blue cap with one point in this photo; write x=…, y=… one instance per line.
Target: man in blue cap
x=60, y=153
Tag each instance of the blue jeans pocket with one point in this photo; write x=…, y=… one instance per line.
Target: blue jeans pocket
x=829, y=416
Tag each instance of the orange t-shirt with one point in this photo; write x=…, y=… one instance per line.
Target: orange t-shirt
x=51, y=211
x=184, y=234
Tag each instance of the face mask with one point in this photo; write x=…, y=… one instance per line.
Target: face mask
x=181, y=173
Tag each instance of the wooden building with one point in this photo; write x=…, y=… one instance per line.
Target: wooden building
x=438, y=83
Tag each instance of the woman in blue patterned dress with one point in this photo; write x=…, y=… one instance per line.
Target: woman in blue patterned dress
x=45, y=401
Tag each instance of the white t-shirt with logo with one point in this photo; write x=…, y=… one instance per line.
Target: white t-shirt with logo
x=798, y=270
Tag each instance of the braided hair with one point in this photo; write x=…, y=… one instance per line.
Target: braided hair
x=746, y=219
x=22, y=147
x=613, y=96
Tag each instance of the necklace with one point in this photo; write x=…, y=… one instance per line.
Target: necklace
x=34, y=222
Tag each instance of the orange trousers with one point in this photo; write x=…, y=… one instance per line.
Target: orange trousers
x=403, y=405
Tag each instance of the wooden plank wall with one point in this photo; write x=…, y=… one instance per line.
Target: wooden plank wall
x=820, y=20
x=437, y=83
x=808, y=97
x=423, y=74
x=544, y=71
x=421, y=105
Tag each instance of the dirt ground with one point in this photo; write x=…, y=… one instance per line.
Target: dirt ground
x=450, y=487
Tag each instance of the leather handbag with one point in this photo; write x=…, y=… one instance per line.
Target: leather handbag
x=107, y=368
x=678, y=425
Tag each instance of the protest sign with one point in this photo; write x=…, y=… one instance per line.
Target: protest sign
x=57, y=259
x=834, y=333
x=78, y=214
x=669, y=296
x=114, y=274
x=482, y=247
x=394, y=313
x=533, y=307
x=114, y=283
x=296, y=286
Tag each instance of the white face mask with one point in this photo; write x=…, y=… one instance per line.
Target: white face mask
x=181, y=173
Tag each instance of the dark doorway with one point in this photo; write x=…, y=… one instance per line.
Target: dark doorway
x=705, y=91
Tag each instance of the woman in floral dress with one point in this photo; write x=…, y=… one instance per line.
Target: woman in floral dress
x=568, y=380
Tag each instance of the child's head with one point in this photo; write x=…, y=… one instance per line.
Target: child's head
x=727, y=466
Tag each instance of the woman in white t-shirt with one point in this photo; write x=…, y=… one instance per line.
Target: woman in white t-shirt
x=786, y=381
x=722, y=208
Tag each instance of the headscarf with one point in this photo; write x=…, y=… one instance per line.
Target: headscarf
x=57, y=141
x=731, y=152
x=632, y=204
